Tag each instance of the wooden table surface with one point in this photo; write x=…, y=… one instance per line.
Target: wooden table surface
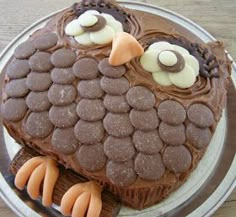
x=217, y=16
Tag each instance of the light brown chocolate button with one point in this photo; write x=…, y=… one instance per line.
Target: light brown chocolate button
x=18, y=69
x=38, y=125
x=16, y=88
x=172, y=135
x=91, y=157
x=40, y=62
x=63, y=116
x=24, y=50
x=199, y=137
x=177, y=159
x=116, y=104
x=171, y=112
x=61, y=95
x=144, y=120
x=62, y=76
x=45, y=41
x=14, y=109
x=149, y=167
x=119, y=149
x=115, y=86
x=90, y=109
x=38, y=81
x=140, y=98
x=64, y=141
x=100, y=24
x=89, y=132
x=111, y=71
x=90, y=89
x=118, y=125
x=121, y=174
x=147, y=142
x=86, y=68
x=63, y=58
x=38, y=101
x=200, y=115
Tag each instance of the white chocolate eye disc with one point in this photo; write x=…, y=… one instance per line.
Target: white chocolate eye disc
x=108, y=17
x=181, y=50
x=183, y=79
x=84, y=39
x=92, y=12
x=73, y=28
x=116, y=26
x=167, y=58
x=192, y=62
x=87, y=20
x=102, y=36
x=162, y=78
x=149, y=61
x=161, y=46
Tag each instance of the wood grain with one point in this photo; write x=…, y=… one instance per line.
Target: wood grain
x=216, y=16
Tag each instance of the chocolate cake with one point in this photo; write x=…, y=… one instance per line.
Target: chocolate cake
x=137, y=127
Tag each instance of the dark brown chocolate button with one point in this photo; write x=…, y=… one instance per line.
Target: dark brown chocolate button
x=63, y=58
x=171, y=112
x=38, y=101
x=177, y=159
x=118, y=125
x=91, y=109
x=200, y=115
x=14, y=109
x=46, y=41
x=63, y=116
x=116, y=104
x=172, y=135
x=18, y=69
x=149, y=167
x=100, y=24
x=199, y=137
x=62, y=76
x=121, y=174
x=90, y=89
x=64, y=141
x=111, y=71
x=144, y=120
x=16, y=88
x=119, y=149
x=89, y=132
x=91, y=157
x=38, y=125
x=140, y=98
x=86, y=68
x=38, y=81
x=147, y=142
x=115, y=86
x=40, y=62
x=61, y=94
x=24, y=50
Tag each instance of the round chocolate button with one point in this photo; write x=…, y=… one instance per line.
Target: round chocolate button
x=147, y=142
x=89, y=132
x=18, y=69
x=144, y=120
x=38, y=81
x=91, y=157
x=40, y=62
x=24, y=50
x=63, y=116
x=172, y=135
x=38, y=125
x=91, y=109
x=16, y=88
x=86, y=68
x=111, y=71
x=118, y=125
x=140, y=98
x=119, y=149
x=149, y=167
x=171, y=112
x=38, y=101
x=174, y=162
x=14, y=109
x=121, y=174
x=45, y=41
x=116, y=104
x=62, y=76
x=64, y=141
x=63, y=58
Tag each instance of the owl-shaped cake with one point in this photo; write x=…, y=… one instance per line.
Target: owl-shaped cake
x=125, y=98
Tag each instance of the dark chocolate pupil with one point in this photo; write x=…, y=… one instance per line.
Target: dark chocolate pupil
x=100, y=24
